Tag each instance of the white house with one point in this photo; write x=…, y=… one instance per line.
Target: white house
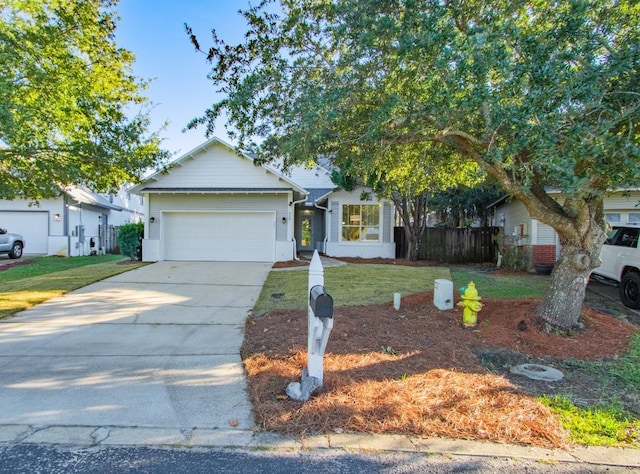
x=620, y=207
x=77, y=222
x=215, y=204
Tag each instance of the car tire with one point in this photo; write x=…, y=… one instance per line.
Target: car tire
x=630, y=290
x=16, y=250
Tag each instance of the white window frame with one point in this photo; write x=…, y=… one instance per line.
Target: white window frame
x=360, y=240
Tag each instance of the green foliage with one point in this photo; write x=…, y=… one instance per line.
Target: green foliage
x=602, y=425
x=513, y=255
x=372, y=84
x=130, y=240
x=65, y=92
x=462, y=205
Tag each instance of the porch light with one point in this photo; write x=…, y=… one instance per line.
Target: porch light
x=56, y=217
x=152, y=219
x=284, y=220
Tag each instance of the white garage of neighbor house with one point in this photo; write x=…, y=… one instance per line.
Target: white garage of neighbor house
x=76, y=223
x=214, y=204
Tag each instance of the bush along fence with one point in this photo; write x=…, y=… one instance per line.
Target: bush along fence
x=130, y=240
x=450, y=245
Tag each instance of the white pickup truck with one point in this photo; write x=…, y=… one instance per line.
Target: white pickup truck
x=11, y=244
x=621, y=263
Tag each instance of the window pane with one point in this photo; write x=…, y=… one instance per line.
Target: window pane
x=634, y=217
x=370, y=215
x=350, y=233
x=370, y=233
x=350, y=214
x=613, y=217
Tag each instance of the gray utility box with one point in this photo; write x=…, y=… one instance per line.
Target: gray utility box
x=321, y=302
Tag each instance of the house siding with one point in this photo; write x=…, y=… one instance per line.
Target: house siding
x=335, y=222
x=384, y=248
x=387, y=215
x=217, y=167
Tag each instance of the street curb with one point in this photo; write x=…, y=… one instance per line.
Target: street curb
x=118, y=436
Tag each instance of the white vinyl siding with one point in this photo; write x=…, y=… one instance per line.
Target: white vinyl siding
x=218, y=167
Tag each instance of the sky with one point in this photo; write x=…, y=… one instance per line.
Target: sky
x=154, y=31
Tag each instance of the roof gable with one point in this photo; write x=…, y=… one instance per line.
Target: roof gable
x=215, y=166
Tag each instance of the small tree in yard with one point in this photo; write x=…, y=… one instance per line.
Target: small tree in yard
x=536, y=93
x=130, y=240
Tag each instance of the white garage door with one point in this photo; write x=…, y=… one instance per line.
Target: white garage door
x=219, y=236
x=32, y=225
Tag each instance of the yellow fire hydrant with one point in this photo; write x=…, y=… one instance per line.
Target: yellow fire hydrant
x=471, y=305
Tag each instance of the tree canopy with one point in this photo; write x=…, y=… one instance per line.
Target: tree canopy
x=537, y=93
x=66, y=95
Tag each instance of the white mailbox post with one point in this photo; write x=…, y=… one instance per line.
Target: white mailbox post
x=320, y=323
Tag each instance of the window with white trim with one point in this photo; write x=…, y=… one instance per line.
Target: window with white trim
x=612, y=217
x=360, y=223
x=634, y=218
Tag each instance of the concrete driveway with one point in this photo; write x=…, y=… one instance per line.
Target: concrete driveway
x=150, y=356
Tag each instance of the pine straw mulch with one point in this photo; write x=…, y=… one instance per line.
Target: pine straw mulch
x=416, y=371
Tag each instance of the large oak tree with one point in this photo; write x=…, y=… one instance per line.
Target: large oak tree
x=537, y=93
x=71, y=111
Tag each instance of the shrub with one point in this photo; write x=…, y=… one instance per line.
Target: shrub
x=130, y=240
x=514, y=255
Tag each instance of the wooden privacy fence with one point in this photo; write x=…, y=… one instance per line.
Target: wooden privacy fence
x=467, y=245
x=108, y=236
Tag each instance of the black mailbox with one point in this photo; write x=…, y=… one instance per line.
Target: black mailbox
x=321, y=302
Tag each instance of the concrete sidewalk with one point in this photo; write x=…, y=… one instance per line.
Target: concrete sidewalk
x=156, y=348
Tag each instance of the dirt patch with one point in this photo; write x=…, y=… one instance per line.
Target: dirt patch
x=292, y=263
x=417, y=371
x=6, y=265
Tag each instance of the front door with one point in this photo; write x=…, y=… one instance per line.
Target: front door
x=305, y=232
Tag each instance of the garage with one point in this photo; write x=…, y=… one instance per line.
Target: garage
x=32, y=225
x=219, y=236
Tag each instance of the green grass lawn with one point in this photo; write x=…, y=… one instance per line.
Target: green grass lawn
x=24, y=286
x=349, y=285
x=496, y=285
x=361, y=284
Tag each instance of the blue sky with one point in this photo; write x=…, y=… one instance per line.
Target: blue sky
x=154, y=31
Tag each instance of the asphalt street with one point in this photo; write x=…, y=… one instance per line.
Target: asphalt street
x=19, y=459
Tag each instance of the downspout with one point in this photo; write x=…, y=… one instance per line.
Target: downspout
x=65, y=223
x=327, y=226
x=295, y=244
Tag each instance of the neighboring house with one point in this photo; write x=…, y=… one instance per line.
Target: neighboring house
x=620, y=207
x=215, y=204
x=76, y=223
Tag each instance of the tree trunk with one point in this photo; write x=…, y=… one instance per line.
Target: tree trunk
x=413, y=234
x=562, y=305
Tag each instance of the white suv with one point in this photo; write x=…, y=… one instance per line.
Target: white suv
x=621, y=263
